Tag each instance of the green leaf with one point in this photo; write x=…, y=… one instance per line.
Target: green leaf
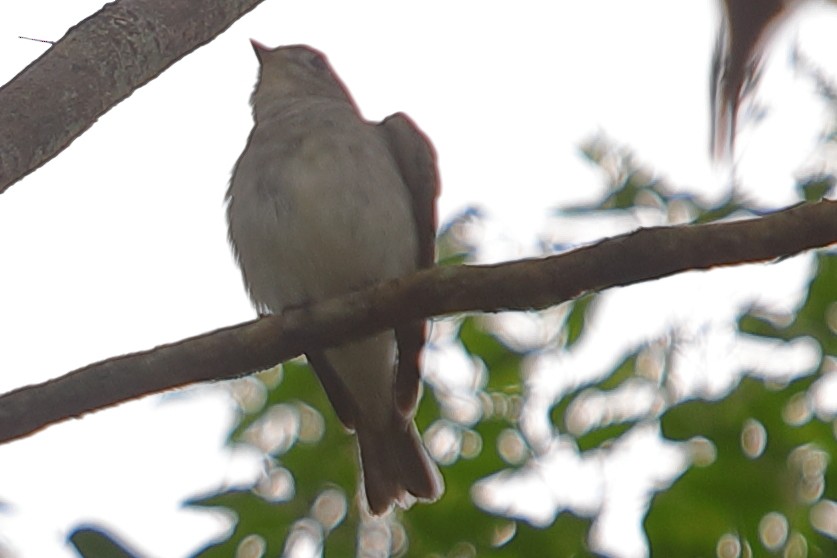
x=816, y=187
x=95, y=542
x=727, y=207
x=254, y=515
x=567, y=537
x=599, y=437
x=503, y=363
x=577, y=318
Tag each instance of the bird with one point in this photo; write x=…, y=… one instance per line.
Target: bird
x=745, y=31
x=321, y=203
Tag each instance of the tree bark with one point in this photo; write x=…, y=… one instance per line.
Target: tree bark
x=97, y=64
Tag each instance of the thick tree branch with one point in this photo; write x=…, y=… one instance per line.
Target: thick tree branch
x=527, y=284
x=97, y=64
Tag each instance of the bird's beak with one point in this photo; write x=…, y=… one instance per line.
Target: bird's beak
x=258, y=48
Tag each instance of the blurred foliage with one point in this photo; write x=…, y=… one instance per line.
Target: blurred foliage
x=758, y=480
x=768, y=460
x=815, y=318
x=816, y=187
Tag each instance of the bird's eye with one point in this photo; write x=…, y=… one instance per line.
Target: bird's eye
x=318, y=62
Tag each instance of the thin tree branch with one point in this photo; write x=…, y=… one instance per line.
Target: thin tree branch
x=521, y=285
x=97, y=64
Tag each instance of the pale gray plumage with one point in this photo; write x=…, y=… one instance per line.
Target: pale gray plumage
x=322, y=203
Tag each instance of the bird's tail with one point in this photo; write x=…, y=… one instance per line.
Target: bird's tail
x=395, y=465
x=744, y=34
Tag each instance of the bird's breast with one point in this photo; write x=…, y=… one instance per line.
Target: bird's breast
x=325, y=213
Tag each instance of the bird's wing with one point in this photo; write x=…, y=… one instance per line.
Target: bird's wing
x=416, y=159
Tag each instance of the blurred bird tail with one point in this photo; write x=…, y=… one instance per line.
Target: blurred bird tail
x=395, y=465
x=743, y=37
x=723, y=95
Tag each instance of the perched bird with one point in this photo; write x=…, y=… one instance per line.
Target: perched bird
x=322, y=203
x=745, y=31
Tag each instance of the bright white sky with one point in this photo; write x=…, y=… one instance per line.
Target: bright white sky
x=119, y=244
